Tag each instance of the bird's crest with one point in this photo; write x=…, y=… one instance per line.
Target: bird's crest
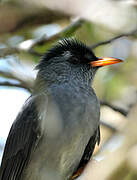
x=67, y=44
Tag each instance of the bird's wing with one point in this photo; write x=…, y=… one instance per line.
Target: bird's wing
x=22, y=139
x=90, y=148
x=87, y=153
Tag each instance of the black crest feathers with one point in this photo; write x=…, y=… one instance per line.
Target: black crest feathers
x=75, y=47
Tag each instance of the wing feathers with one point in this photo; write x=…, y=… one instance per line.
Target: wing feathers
x=20, y=142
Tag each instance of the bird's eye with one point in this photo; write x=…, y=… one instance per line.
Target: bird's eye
x=74, y=60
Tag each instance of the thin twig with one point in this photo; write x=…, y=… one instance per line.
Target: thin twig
x=132, y=33
x=7, y=83
x=11, y=75
x=109, y=126
x=115, y=108
x=23, y=83
x=63, y=33
x=14, y=50
x=8, y=51
x=31, y=43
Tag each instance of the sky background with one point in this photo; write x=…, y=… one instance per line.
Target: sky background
x=11, y=101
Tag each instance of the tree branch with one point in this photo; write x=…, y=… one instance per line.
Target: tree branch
x=8, y=51
x=109, y=126
x=20, y=16
x=132, y=33
x=28, y=45
x=115, y=108
x=7, y=83
x=122, y=160
x=23, y=83
x=63, y=33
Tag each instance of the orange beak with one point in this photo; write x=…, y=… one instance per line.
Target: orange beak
x=105, y=61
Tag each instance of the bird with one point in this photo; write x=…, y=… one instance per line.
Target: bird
x=55, y=133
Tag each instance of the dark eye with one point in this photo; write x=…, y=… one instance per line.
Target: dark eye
x=74, y=60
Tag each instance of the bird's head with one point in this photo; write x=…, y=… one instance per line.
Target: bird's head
x=71, y=58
